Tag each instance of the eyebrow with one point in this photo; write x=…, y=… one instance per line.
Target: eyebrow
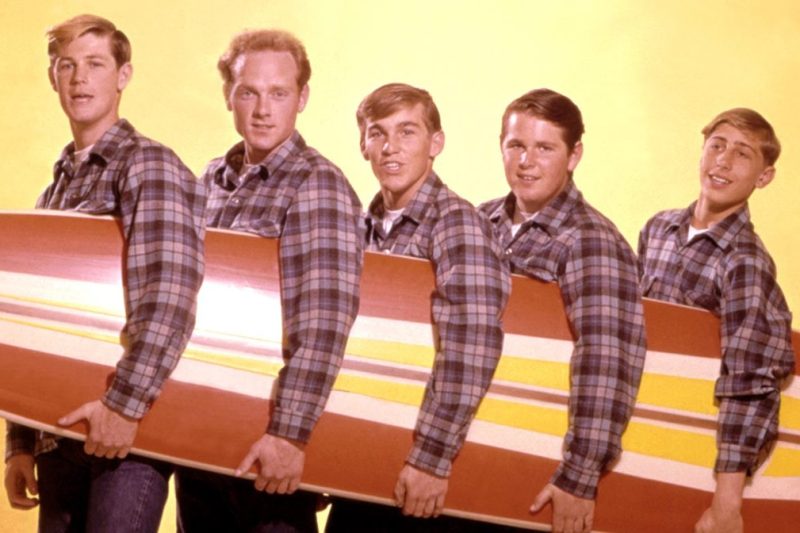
x=735, y=143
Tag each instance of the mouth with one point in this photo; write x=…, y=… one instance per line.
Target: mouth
x=261, y=127
x=719, y=180
x=527, y=178
x=81, y=98
x=391, y=166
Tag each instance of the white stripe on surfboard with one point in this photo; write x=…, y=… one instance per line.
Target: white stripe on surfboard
x=404, y=416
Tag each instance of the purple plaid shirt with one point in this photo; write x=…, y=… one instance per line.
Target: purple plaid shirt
x=160, y=205
x=571, y=243
x=727, y=271
x=472, y=286
x=297, y=195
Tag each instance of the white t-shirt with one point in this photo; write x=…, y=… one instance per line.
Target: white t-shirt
x=390, y=216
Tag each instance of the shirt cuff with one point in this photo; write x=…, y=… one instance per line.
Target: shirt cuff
x=578, y=482
x=733, y=458
x=125, y=400
x=431, y=457
x=291, y=425
x=19, y=440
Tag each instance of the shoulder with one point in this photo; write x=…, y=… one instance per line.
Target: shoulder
x=152, y=157
x=592, y=233
x=489, y=207
x=662, y=220
x=749, y=253
x=321, y=178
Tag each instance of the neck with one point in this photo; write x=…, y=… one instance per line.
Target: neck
x=706, y=214
x=87, y=135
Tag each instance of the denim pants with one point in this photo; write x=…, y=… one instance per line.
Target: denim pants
x=216, y=502
x=80, y=492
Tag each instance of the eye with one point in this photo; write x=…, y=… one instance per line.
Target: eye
x=245, y=94
x=373, y=134
x=407, y=132
x=96, y=64
x=545, y=148
x=64, y=66
x=280, y=94
x=743, y=154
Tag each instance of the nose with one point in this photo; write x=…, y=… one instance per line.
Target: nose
x=527, y=158
x=263, y=107
x=724, y=157
x=390, y=145
x=79, y=74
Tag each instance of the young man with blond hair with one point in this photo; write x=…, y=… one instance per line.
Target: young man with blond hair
x=415, y=214
x=551, y=233
x=708, y=255
x=110, y=169
x=274, y=185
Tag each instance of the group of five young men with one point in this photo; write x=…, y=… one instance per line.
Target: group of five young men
x=274, y=185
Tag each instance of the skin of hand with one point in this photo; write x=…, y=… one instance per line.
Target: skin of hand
x=21, y=480
x=571, y=514
x=280, y=464
x=419, y=493
x=110, y=434
x=725, y=513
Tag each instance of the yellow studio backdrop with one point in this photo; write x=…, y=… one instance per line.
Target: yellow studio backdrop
x=646, y=75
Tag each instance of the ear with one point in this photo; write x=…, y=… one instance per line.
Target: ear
x=124, y=76
x=437, y=144
x=767, y=175
x=52, y=77
x=301, y=104
x=226, y=93
x=575, y=156
x=363, y=146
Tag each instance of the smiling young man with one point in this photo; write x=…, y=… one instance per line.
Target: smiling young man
x=551, y=233
x=415, y=214
x=109, y=169
x=708, y=255
x=274, y=185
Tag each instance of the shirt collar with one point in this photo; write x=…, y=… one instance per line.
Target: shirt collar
x=419, y=204
x=227, y=172
x=550, y=217
x=105, y=148
x=722, y=233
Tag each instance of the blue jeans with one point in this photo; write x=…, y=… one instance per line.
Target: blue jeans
x=80, y=492
x=216, y=502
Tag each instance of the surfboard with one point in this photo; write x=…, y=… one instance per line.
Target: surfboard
x=61, y=312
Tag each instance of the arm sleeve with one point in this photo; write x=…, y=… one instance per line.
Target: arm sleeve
x=472, y=287
x=162, y=207
x=602, y=299
x=757, y=355
x=321, y=253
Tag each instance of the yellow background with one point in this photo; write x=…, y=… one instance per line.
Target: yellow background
x=647, y=76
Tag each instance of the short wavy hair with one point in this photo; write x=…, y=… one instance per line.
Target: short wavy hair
x=62, y=34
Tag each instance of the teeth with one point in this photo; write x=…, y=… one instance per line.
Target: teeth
x=717, y=179
x=392, y=166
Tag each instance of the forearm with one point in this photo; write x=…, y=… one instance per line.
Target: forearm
x=19, y=440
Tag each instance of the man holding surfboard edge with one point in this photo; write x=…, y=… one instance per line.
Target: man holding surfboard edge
x=708, y=255
x=110, y=169
x=550, y=233
x=276, y=186
x=415, y=214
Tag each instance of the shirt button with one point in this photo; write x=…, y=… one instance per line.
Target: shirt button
x=509, y=251
x=236, y=201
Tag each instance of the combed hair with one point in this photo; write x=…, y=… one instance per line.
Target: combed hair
x=750, y=121
x=62, y=34
x=387, y=99
x=553, y=107
x=259, y=41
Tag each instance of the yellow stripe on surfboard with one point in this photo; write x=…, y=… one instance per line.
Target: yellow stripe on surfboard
x=684, y=446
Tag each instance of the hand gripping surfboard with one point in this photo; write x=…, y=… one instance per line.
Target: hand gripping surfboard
x=61, y=313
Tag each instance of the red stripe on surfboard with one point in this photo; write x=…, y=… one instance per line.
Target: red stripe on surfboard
x=88, y=248
x=216, y=428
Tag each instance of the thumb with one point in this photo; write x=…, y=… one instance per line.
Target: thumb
x=30, y=482
x=544, y=496
x=400, y=493
x=71, y=418
x=246, y=463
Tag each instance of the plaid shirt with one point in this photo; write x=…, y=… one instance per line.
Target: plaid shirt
x=160, y=205
x=728, y=271
x=472, y=286
x=297, y=195
x=571, y=243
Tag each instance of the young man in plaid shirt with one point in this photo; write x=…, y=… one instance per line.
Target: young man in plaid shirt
x=708, y=255
x=110, y=169
x=415, y=214
x=551, y=233
x=274, y=185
